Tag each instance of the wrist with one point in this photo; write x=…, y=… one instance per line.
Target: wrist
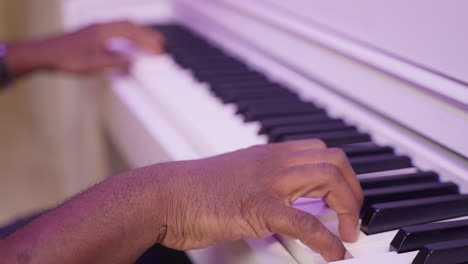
x=151, y=207
x=24, y=58
x=5, y=76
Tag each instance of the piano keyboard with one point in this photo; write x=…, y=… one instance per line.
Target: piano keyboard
x=402, y=202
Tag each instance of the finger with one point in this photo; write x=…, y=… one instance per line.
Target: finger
x=305, y=227
x=146, y=38
x=299, y=145
x=317, y=181
x=333, y=156
x=109, y=60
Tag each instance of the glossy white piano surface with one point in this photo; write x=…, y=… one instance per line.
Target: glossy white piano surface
x=154, y=119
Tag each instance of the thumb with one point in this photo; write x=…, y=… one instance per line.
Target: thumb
x=309, y=230
x=110, y=60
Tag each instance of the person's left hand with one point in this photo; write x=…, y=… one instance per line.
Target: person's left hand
x=84, y=51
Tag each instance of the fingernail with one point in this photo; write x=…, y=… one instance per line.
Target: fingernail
x=348, y=255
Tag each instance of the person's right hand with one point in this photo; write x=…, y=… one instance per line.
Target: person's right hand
x=195, y=204
x=249, y=193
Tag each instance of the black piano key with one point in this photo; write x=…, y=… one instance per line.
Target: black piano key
x=201, y=47
x=249, y=90
x=406, y=192
x=216, y=82
x=415, y=237
x=185, y=57
x=208, y=63
x=187, y=49
x=253, y=90
x=366, y=150
x=232, y=79
x=396, y=180
x=283, y=106
x=280, y=110
x=241, y=85
x=245, y=105
x=394, y=215
x=225, y=67
x=375, y=163
x=234, y=97
x=270, y=123
x=333, y=139
x=200, y=56
x=219, y=66
x=246, y=87
x=206, y=75
x=223, y=71
x=449, y=252
x=277, y=133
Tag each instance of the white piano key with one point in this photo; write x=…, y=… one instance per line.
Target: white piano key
x=364, y=245
x=387, y=173
x=269, y=251
x=151, y=119
x=210, y=124
x=367, y=246
x=382, y=258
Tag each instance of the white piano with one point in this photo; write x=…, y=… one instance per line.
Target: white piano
x=396, y=71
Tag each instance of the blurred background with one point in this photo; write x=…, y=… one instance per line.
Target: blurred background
x=51, y=143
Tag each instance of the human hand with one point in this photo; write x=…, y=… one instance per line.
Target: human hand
x=84, y=51
x=194, y=204
x=248, y=194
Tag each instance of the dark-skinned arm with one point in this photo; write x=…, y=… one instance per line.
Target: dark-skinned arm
x=194, y=204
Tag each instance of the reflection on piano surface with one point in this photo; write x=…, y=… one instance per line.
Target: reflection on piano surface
x=235, y=77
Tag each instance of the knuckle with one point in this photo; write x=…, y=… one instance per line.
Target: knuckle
x=333, y=176
x=266, y=151
x=338, y=154
x=328, y=169
x=99, y=31
x=319, y=143
x=259, y=149
x=125, y=23
x=276, y=186
x=93, y=29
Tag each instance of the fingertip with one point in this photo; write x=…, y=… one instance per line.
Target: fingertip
x=333, y=253
x=349, y=230
x=158, y=50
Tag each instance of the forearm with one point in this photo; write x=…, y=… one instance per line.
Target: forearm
x=26, y=57
x=113, y=222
